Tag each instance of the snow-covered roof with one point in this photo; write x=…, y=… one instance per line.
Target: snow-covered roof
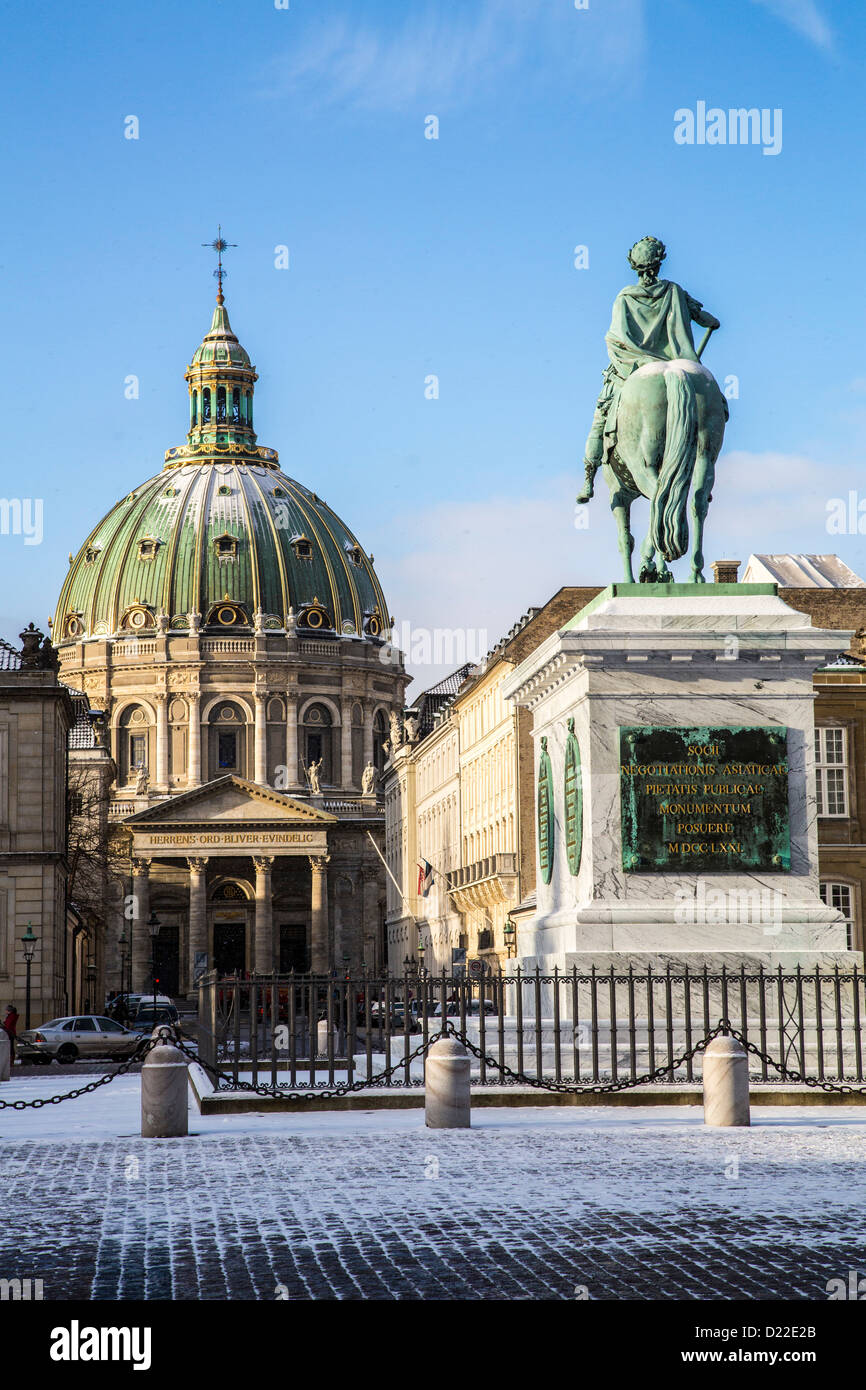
x=801, y=572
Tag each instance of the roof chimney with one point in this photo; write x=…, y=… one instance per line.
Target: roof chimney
x=725, y=571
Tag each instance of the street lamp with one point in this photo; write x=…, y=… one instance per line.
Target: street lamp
x=421, y=949
x=122, y=943
x=153, y=926
x=510, y=937
x=28, y=941
x=90, y=975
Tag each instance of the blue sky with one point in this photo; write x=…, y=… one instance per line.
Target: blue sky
x=408, y=257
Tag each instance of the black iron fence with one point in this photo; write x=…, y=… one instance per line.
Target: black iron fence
x=318, y=1030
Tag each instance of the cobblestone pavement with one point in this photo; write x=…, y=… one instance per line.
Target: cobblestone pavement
x=528, y=1204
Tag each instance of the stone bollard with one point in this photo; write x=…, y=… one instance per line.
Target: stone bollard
x=446, y=1085
x=164, y=1093
x=322, y=1039
x=5, y=1056
x=726, y=1083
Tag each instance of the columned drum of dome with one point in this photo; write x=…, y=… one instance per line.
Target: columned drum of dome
x=233, y=630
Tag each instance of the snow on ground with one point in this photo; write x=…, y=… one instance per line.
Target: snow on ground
x=531, y=1202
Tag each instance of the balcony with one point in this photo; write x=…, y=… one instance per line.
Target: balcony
x=485, y=883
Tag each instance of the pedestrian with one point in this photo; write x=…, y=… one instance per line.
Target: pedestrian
x=10, y=1026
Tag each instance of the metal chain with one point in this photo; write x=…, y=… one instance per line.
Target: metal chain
x=797, y=1077
x=140, y=1052
x=599, y=1088
x=724, y=1028
x=312, y=1093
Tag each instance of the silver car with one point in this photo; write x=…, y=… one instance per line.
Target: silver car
x=84, y=1035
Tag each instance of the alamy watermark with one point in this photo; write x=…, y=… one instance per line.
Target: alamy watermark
x=22, y=516
x=438, y=646
x=740, y=125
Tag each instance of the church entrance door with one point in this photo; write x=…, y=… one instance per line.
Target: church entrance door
x=229, y=947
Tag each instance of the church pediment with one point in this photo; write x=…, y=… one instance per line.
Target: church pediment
x=231, y=799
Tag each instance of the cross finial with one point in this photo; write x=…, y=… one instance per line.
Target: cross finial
x=219, y=245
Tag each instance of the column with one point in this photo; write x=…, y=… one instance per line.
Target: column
x=292, y=780
x=346, y=744
x=261, y=743
x=371, y=919
x=263, y=960
x=141, y=954
x=319, y=962
x=161, y=739
x=193, y=770
x=197, y=916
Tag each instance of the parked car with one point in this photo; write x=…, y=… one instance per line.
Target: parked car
x=452, y=1008
x=149, y=1015
x=67, y=1039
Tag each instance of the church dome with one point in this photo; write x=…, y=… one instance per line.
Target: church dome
x=221, y=537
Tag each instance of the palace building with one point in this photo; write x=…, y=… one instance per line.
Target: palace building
x=231, y=633
x=460, y=785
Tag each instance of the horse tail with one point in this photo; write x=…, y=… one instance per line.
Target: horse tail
x=668, y=522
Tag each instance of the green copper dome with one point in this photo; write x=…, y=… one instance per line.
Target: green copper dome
x=221, y=538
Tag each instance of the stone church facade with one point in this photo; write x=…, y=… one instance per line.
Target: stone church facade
x=232, y=634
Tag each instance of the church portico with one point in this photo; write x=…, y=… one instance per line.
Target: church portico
x=239, y=851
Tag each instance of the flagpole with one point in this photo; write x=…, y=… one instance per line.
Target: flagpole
x=403, y=898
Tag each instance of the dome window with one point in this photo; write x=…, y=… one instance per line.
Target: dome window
x=355, y=553
x=172, y=492
x=90, y=554
x=315, y=616
x=279, y=492
x=236, y=407
x=225, y=547
x=137, y=618
x=227, y=614
x=303, y=547
x=373, y=623
x=147, y=548
x=73, y=626
x=205, y=406
x=224, y=490
x=221, y=405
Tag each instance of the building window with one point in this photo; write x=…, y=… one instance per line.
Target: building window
x=137, y=750
x=194, y=412
x=221, y=405
x=227, y=750
x=318, y=736
x=205, y=406
x=380, y=735
x=831, y=771
x=236, y=407
x=838, y=895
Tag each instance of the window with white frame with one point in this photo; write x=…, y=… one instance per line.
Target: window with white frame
x=840, y=896
x=831, y=771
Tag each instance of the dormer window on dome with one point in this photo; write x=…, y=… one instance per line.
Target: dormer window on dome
x=90, y=554
x=72, y=625
x=147, y=547
x=315, y=617
x=302, y=546
x=225, y=547
x=228, y=614
x=373, y=623
x=138, y=617
x=355, y=553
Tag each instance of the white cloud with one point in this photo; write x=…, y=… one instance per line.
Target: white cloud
x=474, y=567
x=447, y=55
x=805, y=17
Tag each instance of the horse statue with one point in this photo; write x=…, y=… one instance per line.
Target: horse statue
x=660, y=420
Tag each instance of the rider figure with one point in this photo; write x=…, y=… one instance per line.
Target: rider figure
x=651, y=322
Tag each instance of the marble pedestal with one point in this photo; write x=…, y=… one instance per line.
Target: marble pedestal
x=686, y=655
